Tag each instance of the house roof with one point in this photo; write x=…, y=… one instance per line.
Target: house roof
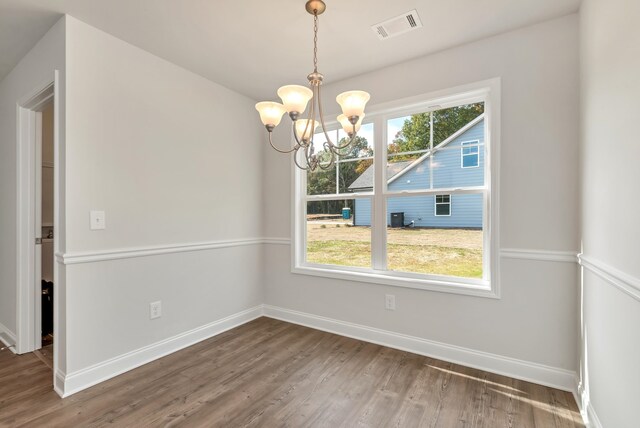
x=397, y=169
x=365, y=180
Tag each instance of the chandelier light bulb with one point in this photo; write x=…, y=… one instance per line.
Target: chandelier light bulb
x=353, y=102
x=301, y=127
x=347, y=126
x=270, y=113
x=295, y=97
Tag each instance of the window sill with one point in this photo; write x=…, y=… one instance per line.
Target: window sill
x=480, y=289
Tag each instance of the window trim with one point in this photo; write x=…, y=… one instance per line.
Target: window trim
x=488, y=91
x=436, y=203
x=462, y=154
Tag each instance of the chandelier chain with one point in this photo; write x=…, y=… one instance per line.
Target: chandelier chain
x=315, y=42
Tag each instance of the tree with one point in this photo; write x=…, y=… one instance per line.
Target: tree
x=415, y=132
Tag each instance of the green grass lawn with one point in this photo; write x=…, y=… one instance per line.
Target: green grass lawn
x=435, y=251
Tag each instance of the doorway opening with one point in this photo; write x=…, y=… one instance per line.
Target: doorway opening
x=38, y=223
x=45, y=233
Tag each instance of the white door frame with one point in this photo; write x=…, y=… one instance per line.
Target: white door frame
x=29, y=118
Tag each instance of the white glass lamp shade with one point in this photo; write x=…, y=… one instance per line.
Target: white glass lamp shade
x=295, y=97
x=301, y=124
x=270, y=112
x=353, y=102
x=347, y=126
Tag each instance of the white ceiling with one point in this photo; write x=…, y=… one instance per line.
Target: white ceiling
x=255, y=46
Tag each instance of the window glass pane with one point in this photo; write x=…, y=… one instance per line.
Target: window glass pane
x=355, y=175
x=448, y=121
x=407, y=138
x=418, y=241
x=362, y=145
x=470, y=147
x=355, y=164
x=470, y=161
x=339, y=232
x=408, y=141
x=443, y=208
x=413, y=166
x=319, y=139
x=321, y=181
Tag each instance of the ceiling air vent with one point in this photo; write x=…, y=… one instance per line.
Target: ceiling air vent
x=398, y=25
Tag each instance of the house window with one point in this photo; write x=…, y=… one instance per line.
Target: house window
x=383, y=212
x=470, y=154
x=443, y=205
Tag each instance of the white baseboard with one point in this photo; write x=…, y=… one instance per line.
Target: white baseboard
x=587, y=411
x=68, y=384
x=519, y=369
x=8, y=338
x=592, y=420
x=58, y=383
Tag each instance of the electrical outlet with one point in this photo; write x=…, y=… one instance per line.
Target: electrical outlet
x=390, y=302
x=155, y=310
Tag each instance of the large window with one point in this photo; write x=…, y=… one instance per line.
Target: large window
x=409, y=203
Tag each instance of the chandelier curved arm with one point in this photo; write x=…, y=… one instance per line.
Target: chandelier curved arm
x=331, y=161
x=277, y=149
x=295, y=159
x=308, y=154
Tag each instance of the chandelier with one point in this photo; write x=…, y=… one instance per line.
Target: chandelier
x=294, y=101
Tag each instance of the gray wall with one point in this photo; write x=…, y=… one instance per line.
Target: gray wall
x=610, y=304
x=154, y=146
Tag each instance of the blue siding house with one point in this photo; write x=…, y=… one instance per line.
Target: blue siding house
x=456, y=162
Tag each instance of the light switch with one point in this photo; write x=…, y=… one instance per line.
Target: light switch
x=98, y=220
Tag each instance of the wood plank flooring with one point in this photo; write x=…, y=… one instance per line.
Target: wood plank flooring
x=270, y=373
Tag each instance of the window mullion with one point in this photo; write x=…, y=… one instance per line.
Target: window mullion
x=379, y=217
x=431, y=149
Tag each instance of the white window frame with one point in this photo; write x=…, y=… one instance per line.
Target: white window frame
x=472, y=143
x=436, y=203
x=487, y=91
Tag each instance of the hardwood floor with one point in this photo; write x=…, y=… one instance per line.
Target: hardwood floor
x=269, y=373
